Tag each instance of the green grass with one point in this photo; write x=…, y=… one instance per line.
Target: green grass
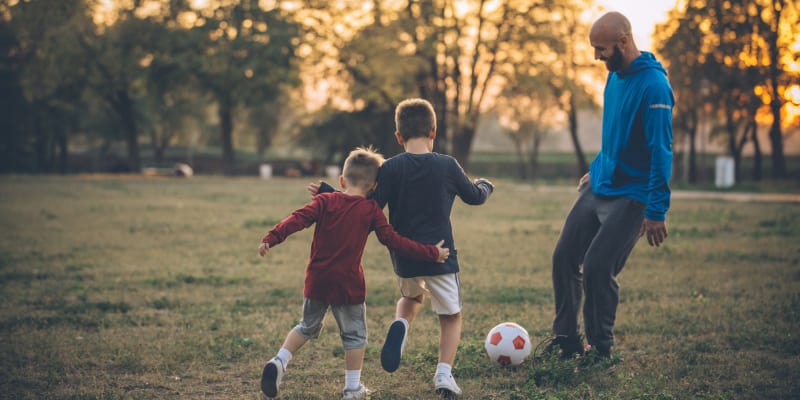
x=132, y=288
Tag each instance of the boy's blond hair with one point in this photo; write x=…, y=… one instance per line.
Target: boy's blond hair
x=361, y=167
x=414, y=118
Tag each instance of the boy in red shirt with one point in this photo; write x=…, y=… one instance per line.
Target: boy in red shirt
x=334, y=276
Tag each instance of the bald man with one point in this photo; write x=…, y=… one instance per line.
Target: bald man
x=625, y=194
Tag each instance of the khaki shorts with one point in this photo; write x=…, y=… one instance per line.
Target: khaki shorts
x=444, y=291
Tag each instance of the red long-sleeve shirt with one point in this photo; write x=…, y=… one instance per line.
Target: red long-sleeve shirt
x=343, y=223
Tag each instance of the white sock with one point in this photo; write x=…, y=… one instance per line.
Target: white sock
x=352, y=379
x=404, y=321
x=444, y=368
x=285, y=356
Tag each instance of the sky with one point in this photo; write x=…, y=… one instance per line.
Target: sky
x=643, y=14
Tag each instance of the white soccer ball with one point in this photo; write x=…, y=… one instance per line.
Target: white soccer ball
x=508, y=344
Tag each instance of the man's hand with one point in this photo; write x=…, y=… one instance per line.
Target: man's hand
x=444, y=252
x=313, y=188
x=583, y=181
x=263, y=248
x=656, y=231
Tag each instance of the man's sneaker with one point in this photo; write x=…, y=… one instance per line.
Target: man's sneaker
x=565, y=347
x=446, y=386
x=393, y=346
x=271, y=377
x=361, y=393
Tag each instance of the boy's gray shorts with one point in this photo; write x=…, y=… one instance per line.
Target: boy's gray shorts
x=351, y=319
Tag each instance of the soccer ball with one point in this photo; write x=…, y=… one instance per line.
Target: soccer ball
x=507, y=344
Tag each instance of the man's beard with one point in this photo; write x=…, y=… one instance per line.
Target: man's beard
x=614, y=63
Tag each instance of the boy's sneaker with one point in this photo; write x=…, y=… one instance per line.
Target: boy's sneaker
x=361, y=393
x=271, y=377
x=446, y=386
x=565, y=347
x=393, y=346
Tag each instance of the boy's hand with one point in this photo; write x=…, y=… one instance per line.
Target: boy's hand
x=486, y=181
x=313, y=188
x=263, y=248
x=444, y=252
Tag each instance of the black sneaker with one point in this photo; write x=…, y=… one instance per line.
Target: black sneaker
x=271, y=377
x=566, y=347
x=597, y=355
x=393, y=346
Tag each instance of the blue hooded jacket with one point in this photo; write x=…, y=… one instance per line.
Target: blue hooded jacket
x=635, y=159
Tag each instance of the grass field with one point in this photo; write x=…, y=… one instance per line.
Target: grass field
x=132, y=288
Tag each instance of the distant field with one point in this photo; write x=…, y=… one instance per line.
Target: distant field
x=120, y=287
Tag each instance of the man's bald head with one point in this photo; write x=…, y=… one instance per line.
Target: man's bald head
x=612, y=41
x=611, y=26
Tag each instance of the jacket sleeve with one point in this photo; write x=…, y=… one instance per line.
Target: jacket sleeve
x=298, y=220
x=383, y=191
x=658, y=103
x=325, y=187
x=398, y=243
x=472, y=193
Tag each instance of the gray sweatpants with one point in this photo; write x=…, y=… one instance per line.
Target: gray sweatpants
x=599, y=234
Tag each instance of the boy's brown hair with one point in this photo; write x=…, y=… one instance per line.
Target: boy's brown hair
x=361, y=167
x=414, y=118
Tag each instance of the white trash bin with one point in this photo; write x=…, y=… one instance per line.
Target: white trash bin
x=332, y=171
x=265, y=171
x=725, y=172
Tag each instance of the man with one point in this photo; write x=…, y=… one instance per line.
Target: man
x=624, y=196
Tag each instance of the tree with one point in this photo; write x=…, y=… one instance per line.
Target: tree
x=679, y=42
x=117, y=74
x=528, y=109
x=573, y=70
x=782, y=33
x=14, y=146
x=46, y=77
x=335, y=132
x=246, y=57
x=458, y=55
x=742, y=50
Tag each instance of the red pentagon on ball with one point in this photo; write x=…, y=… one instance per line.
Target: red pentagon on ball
x=496, y=338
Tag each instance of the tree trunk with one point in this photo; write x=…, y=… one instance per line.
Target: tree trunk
x=226, y=134
x=573, y=132
x=264, y=141
x=775, y=134
x=63, y=150
x=462, y=144
x=521, y=163
x=739, y=153
x=537, y=144
x=776, y=140
x=757, y=157
x=440, y=143
x=693, y=156
x=158, y=153
x=730, y=126
x=123, y=105
x=41, y=143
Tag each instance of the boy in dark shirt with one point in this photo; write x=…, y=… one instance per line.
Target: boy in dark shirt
x=420, y=186
x=334, y=276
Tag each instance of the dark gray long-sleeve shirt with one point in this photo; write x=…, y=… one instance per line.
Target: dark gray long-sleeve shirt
x=420, y=190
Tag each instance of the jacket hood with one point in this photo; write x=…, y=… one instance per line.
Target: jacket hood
x=645, y=61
